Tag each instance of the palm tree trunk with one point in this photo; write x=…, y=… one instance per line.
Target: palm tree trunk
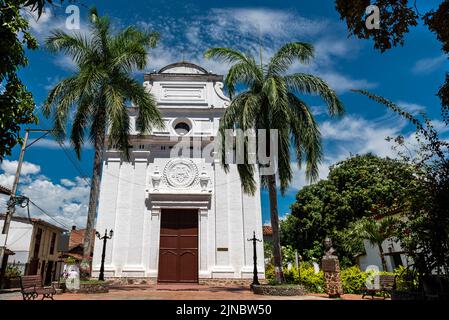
x=275, y=227
x=382, y=257
x=94, y=190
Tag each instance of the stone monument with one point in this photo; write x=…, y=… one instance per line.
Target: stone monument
x=331, y=270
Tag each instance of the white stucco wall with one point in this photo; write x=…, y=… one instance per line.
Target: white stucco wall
x=19, y=240
x=372, y=256
x=131, y=201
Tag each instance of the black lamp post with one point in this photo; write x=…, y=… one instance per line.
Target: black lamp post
x=105, y=238
x=255, y=276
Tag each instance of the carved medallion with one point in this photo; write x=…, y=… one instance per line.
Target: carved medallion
x=181, y=173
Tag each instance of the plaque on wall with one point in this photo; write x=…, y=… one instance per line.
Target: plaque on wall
x=329, y=265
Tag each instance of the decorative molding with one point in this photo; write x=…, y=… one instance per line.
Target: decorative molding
x=218, y=87
x=182, y=93
x=158, y=200
x=204, y=212
x=180, y=174
x=182, y=77
x=156, y=179
x=204, y=180
x=148, y=86
x=140, y=156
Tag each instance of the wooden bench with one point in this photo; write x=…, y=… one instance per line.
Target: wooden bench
x=387, y=283
x=32, y=287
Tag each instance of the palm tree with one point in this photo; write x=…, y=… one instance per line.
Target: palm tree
x=375, y=231
x=269, y=101
x=100, y=91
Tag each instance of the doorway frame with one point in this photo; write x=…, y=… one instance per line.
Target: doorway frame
x=193, y=212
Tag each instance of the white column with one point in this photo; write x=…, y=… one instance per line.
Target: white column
x=223, y=194
x=106, y=219
x=155, y=239
x=134, y=266
x=236, y=238
x=203, y=243
x=122, y=228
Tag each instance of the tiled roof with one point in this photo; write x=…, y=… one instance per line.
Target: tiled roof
x=32, y=221
x=267, y=230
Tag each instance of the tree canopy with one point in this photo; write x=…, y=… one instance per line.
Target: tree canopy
x=361, y=186
x=397, y=17
x=17, y=104
x=270, y=101
x=424, y=233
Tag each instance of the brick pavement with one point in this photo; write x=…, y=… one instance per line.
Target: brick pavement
x=178, y=292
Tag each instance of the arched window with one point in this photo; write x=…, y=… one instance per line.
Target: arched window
x=182, y=128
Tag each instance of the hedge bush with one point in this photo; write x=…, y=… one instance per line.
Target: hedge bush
x=353, y=279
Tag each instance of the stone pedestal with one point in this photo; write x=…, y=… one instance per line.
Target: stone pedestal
x=331, y=270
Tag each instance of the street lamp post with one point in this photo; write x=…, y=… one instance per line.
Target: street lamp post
x=105, y=238
x=255, y=273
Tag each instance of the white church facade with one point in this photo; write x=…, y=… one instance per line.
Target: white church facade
x=177, y=216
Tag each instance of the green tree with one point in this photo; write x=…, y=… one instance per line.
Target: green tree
x=361, y=186
x=269, y=102
x=17, y=104
x=375, y=231
x=396, y=19
x=100, y=91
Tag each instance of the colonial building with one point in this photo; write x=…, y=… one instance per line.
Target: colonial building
x=176, y=215
x=34, y=244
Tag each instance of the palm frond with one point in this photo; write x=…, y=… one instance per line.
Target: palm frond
x=287, y=55
x=241, y=73
x=226, y=55
x=76, y=45
x=244, y=70
x=310, y=84
x=129, y=49
x=80, y=122
x=306, y=136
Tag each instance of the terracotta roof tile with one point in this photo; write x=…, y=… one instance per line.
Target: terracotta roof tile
x=267, y=230
x=77, y=238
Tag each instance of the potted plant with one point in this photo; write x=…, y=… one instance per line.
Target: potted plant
x=12, y=277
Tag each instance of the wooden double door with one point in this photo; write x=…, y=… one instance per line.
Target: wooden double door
x=178, y=251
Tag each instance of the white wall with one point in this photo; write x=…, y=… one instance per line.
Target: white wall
x=19, y=240
x=372, y=256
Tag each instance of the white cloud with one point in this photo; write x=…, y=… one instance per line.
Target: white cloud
x=65, y=63
x=68, y=183
x=66, y=202
x=354, y=134
x=50, y=20
x=341, y=83
x=427, y=65
x=42, y=27
x=282, y=217
x=358, y=135
x=53, y=144
x=245, y=29
x=299, y=175
x=412, y=108
x=276, y=23
x=10, y=167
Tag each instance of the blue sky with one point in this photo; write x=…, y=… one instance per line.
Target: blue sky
x=408, y=75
